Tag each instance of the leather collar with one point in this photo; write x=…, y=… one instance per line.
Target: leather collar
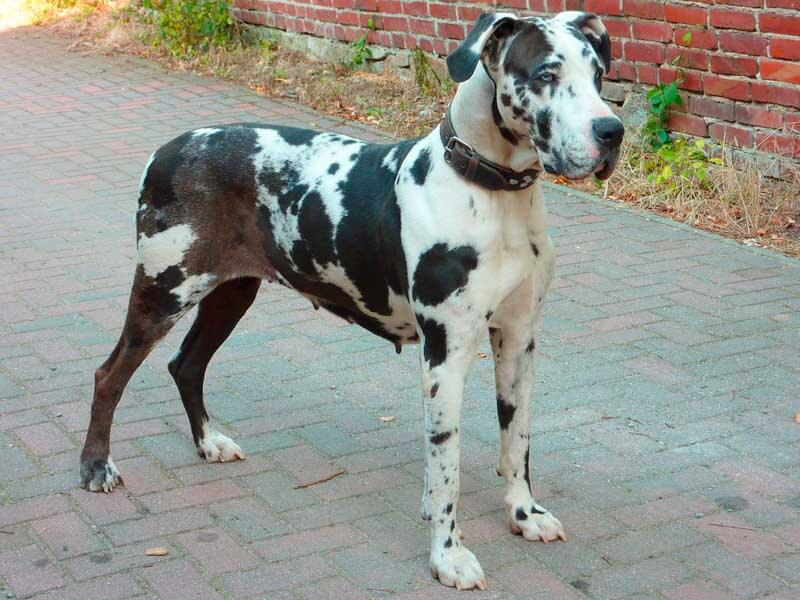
x=475, y=168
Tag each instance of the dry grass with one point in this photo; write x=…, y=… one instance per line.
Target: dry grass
x=737, y=200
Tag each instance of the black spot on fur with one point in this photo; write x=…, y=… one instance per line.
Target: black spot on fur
x=505, y=412
x=448, y=542
x=505, y=99
x=534, y=249
x=333, y=168
x=435, y=348
x=421, y=166
x=449, y=508
x=441, y=272
x=157, y=298
x=527, y=466
x=296, y=136
x=521, y=515
x=434, y=390
x=536, y=511
x=531, y=345
x=441, y=438
x=543, y=118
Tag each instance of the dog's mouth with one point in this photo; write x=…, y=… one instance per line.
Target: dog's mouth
x=605, y=167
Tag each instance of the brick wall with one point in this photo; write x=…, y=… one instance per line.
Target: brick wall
x=742, y=67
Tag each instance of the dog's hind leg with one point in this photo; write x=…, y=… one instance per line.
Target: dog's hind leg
x=156, y=303
x=217, y=315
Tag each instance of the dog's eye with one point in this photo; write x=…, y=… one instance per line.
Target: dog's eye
x=546, y=76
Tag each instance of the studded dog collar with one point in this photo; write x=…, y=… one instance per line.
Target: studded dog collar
x=475, y=168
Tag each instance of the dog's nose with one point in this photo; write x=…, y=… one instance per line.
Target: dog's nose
x=608, y=131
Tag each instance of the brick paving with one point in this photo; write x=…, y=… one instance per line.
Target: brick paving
x=664, y=433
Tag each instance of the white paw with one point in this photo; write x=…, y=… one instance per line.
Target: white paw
x=457, y=567
x=105, y=478
x=215, y=447
x=535, y=523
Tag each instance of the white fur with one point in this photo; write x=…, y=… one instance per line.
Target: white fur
x=165, y=248
x=216, y=447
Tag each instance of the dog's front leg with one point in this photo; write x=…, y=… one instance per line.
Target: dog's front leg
x=513, y=347
x=443, y=386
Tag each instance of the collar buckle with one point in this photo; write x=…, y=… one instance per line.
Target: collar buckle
x=451, y=145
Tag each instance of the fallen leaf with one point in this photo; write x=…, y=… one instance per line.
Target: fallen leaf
x=387, y=418
x=761, y=231
x=797, y=418
x=157, y=551
x=481, y=354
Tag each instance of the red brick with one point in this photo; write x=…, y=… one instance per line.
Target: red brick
x=617, y=28
x=204, y=493
x=216, y=551
x=157, y=525
x=648, y=74
x=416, y=9
x=708, y=107
x=733, y=19
x=754, y=115
x=295, y=545
x=734, y=65
x=687, y=124
x=392, y=7
x=786, y=48
x=469, y=13
x=281, y=576
x=36, y=508
x=729, y=88
x=778, y=70
x=105, y=508
x=776, y=94
x=452, y=31
x=795, y=4
x=27, y=571
x=743, y=43
x=700, y=38
x=625, y=70
x=731, y=135
x=616, y=49
x=67, y=535
x=648, y=30
x=687, y=57
x=740, y=536
x=442, y=11
x=604, y=7
x=395, y=23
x=748, y=3
x=692, y=80
x=685, y=14
x=644, y=52
x=114, y=587
x=646, y=9
x=178, y=580
x=777, y=23
x=787, y=145
x=368, y=5
x=422, y=26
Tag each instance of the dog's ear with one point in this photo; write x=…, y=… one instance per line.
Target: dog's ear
x=462, y=61
x=590, y=25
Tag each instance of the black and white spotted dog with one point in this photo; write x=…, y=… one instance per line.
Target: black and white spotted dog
x=430, y=241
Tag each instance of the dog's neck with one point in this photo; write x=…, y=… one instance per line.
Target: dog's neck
x=471, y=112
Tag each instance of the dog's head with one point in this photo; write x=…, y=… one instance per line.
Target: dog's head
x=547, y=75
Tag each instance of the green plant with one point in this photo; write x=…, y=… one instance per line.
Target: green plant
x=188, y=27
x=662, y=99
x=360, y=52
x=426, y=77
x=680, y=161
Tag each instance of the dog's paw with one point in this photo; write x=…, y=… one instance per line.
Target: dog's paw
x=215, y=447
x=100, y=475
x=535, y=523
x=457, y=567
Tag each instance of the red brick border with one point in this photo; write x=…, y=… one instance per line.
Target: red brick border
x=744, y=53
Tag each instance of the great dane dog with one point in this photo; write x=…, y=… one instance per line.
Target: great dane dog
x=430, y=241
